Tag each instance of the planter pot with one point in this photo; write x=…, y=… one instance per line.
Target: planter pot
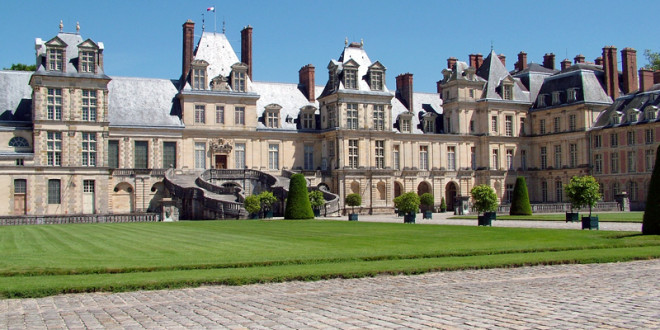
x=428, y=215
x=443, y=210
x=490, y=215
x=484, y=220
x=254, y=215
x=409, y=218
x=572, y=217
x=590, y=222
x=269, y=214
x=317, y=212
x=352, y=217
x=401, y=213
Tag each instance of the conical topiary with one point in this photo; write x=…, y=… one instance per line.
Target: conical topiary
x=651, y=225
x=520, y=202
x=297, y=203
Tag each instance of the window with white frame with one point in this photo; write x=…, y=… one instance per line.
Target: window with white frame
x=395, y=157
x=508, y=193
x=572, y=122
x=352, y=116
x=508, y=120
x=219, y=114
x=55, y=59
x=88, y=149
x=87, y=62
x=307, y=120
x=273, y=157
x=555, y=98
x=509, y=159
x=423, y=157
x=199, y=77
x=376, y=79
x=169, y=154
x=54, y=191
x=542, y=126
x=239, y=155
x=541, y=101
x=598, y=141
x=649, y=159
x=380, y=153
x=616, y=118
x=309, y=157
x=557, y=127
x=650, y=113
x=614, y=162
x=522, y=126
x=350, y=78
x=451, y=158
x=507, y=90
x=89, y=105
x=20, y=187
x=649, y=136
x=496, y=160
x=571, y=94
x=332, y=116
x=633, y=116
x=493, y=124
x=238, y=81
x=572, y=150
x=544, y=191
x=632, y=191
x=429, y=125
x=544, y=158
x=379, y=117
x=631, y=162
x=558, y=156
x=559, y=191
x=353, y=154
x=200, y=113
x=54, y=104
x=473, y=158
x=598, y=163
x=272, y=119
x=239, y=115
x=54, y=148
x=614, y=140
x=200, y=155
x=405, y=125
x=630, y=135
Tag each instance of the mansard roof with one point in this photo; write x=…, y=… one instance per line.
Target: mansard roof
x=71, y=42
x=16, y=96
x=286, y=95
x=585, y=79
x=625, y=104
x=143, y=102
x=215, y=49
x=494, y=72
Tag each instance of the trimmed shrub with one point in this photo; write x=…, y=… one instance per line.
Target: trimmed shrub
x=651, y=222
x=407, y=203
x=297, y=203
x=252, y=204
x=520, y=202
x=267, y=200
x=353, y=200
x=426, y=199
x=443, y=204
x=485, y=198
x=583, y=191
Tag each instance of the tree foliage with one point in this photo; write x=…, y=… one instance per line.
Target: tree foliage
x=297, y=203
x=583, y=191
x=267, y=199
x=443, y=204
x=316, y=199
x=485, y=198
x=520, y=202
x=22, y=67
x=651, y=222
x=653, y=58
x=252, y=204
x=426, y=199
x=407, y=203
x=353, y=200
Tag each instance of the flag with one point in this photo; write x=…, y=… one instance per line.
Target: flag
x=211, y=9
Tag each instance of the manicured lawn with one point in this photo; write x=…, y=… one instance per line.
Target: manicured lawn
x=45, y=260
x=602, y=216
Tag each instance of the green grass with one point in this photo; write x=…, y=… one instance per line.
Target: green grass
x=46, y=260
x=602, y=216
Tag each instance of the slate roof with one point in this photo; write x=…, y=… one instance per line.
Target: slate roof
x=72, y=40
x=143, y=102
x=494, y=72
x=286, y=95
x=585, y=78
x=214, y=48
x=637, y=102
x=532, y=77
x=15, y=96
x=355, y=52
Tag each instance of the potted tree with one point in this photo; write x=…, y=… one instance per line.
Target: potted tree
x=267, y=200
x=353, y=200
x=426, y=199
x=583, y=191
x=317, y=200
x=443, y=205
x=252, y=206
x=409, y=204
x=485, y=201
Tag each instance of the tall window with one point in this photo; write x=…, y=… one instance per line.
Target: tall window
x=631, y=162
x=614, y=140
x=88, y=149
x=89, y=105
x=630, y=137
x=308, y=120
x=200, y=155
x=542, y=126
x=87, y=61
x=649, y=160
x=219, y=114
x=473, y=158
x=353, y=154
x=239, y=115
x=632, y=190
x=380, y=154
x=379, y=117
x=55, y=59
x=54, y=191
x=54, y=104
x=332, y=116
x=239, y=155
x=572, y=150
x=199, y=78
x=598, y=141
x=272, y=119
x=239, y=81
x=544, y=158
x=614, y=163
x=508, y=92
x=471, y=126
x=558, y=156
x=544, y=191
x=451, y=158
x=572, y=122
x=169, y=154
x=376, y=80
x=113, y=154
x=559, y=191
x=571, y=94
x=509, y=125
x=141, y=154
x=557, y=127
x=405, y=125
x=522, y=127
x=493, y=124
x=273, y=156
x=650, y=113
x=509, y=159
x=309, y=157
x=496, y=160
x=423, y=157
x=649, y=136
x=54, y=146
x=20, y=186
x=200, y=113
x=615, y=189
x=598, y=163
x=350, y=79
x=352, y=116
x=523, y=160
x=555, y=98
x=395, y=155
x=508, y=194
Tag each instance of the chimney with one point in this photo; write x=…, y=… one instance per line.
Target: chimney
x=188, y=40
x=549, y=61
x=246, y=48
x=522, y=61
x=451, y=62
x=502, y=59
x=565, y=64
x=578, y=59
x=306, y=81
x=611, y=72
x=599, y=60
x=629, y=58
x=438, y=85
x=473, y=60
x=480, y=61
x=404, y=89
x=645, y=79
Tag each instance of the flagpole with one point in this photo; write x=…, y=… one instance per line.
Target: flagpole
x=215, y=21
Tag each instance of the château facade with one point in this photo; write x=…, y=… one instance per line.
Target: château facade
x=74, y=140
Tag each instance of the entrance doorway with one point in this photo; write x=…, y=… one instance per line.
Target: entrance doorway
x=450, y=192
x=221, y=161
x=20, y=190
x=89, y=206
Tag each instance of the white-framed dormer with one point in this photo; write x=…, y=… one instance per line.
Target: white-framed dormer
x=405, y=122
x=541, y=101
x=307, y=117
x=651, y=112
x=376, y=76
x=272, y=115
x=198, y=75
x=351, y=79
x=571, y=95
x=428, y=122
x=615, y=118
x=88, y=52
x=506, y=88
x=56, y=55
x=555, y=97
x=333, y=67
x=633, y=115
x=239, y=77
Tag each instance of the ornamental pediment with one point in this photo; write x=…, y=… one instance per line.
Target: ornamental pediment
x=221, y=146
x=56, y=42
x=88, y=44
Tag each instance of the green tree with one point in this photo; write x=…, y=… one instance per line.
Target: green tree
x=651, y=222
x=353, y=200
x=407, y=203
x=267, y=199
x=583, y=191
x=653, y=58
x=485, y=198
x=22, y=67
x=427, y=200
x=520, y=202
x=252, y=204
x=443, y=204
x=297, y=202
x=316, y=199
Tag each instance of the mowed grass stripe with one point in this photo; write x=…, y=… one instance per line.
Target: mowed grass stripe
x=36, y=286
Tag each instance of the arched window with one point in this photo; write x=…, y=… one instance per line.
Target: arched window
x=18, y=141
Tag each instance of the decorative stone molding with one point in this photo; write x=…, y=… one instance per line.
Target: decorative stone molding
x=221, y=146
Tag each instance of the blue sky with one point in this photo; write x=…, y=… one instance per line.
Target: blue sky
x=143, y=38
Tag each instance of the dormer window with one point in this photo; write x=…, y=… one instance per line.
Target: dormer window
x=405, y=123
x=55, y=59
x=350, y=79
x=633, y=115
x=541, y=101
x=651, y=112
x=238, y=77
x=429, y=125
x=507, y=92
x=616, y=118
x=307, y=117
x=376, y=76
x=198, y=70
x=571, y=94
x=272, y=116
x=87, y=62
x=555, y=98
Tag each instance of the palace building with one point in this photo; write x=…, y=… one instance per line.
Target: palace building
x=74, y=140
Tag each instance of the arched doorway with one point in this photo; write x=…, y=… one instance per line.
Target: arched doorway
x=450, y=195
x=123, y=198
x=398, y=189
x=423, y=187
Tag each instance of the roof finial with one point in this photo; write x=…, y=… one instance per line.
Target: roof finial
x=223, y=25
x=346, y=42
x=78, y=27
x=361, y=42
x=61, y=25
x=202, y=22
x=491, y=46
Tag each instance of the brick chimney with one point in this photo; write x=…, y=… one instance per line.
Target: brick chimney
x=451, y=62
x=645, y=79
x=502, y=59
x=306, y=81
x=522, y=61
x=480, y=61
x=629, y=58
x=438, y=85
x=611, y=72
x=565, y=64
x=246, y=48
x=578, y=59
x=549, y=61
x=473, y=60
x=599, y=60
x=404, y=89
x=188, y=40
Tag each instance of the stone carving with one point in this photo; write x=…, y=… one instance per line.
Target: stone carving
x=220, y=83
x=221, y=146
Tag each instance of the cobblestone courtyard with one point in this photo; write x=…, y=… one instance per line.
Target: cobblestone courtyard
x=619, y=295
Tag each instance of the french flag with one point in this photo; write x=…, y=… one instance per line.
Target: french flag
x=211, y=9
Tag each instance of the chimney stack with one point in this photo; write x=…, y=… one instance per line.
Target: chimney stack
x=599, y=61
x=246, y=48
x=549, y=61
x=629, y=58
x=578, y=59
x=473, y=60
x=306, y=81
x=522, y=61
x=438, y=85
x=645, y=79
x=480, y=61
x=502, y=59
x=451, y=62
x=404, y=90
x=565, y=64
x=611, y=72
x=188, y=40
